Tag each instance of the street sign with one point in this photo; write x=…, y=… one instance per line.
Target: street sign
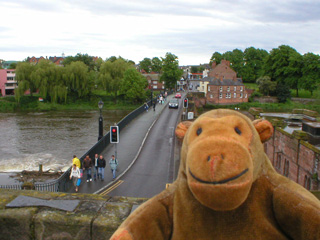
x=190, y=115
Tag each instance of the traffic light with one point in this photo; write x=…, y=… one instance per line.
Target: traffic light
x=185, y=103
x=114, y=134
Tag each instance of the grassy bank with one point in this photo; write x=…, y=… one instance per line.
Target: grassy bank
x=32, y=103
x=267, y=107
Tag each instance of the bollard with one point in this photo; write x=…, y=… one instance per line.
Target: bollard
x=40, y=168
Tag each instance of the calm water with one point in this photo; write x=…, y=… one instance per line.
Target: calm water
x=49, y=138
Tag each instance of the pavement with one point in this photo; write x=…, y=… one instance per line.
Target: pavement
x=132, y=138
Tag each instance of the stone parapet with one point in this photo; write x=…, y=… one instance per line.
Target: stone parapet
x=95, y=217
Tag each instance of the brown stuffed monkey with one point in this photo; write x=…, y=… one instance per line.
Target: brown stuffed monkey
x=226, y=189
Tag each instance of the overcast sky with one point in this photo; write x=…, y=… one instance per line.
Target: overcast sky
x=192, y=30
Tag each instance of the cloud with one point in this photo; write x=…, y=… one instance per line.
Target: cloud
x=190, y=29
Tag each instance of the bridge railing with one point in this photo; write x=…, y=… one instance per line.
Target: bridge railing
x=63, y=183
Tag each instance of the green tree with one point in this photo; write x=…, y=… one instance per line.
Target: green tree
x=216, y=57
x=146, y=65
x=156, y=64
x=310, y=79
x=236, y=60
x=283, y=92
x=194, y=69
x=13, y=65
x=266, y=86
x=283, y=65
x=24, y=79
x=50, y=82
x=78, y=79
x=170, y=71
x=134, y=85
x=111, y=75
x=85, y=58
x=253, y=64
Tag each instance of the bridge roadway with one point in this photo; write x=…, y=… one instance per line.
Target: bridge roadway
x=146, y=145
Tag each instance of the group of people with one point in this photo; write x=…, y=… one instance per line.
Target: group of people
x=160, y=99
x=95, y=168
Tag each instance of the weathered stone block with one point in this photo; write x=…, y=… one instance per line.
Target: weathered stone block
x=109, y=219
x=51, y=224
x=17, y=223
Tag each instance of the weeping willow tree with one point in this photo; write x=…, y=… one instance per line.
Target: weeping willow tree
x=78, y=79
x=50, y=81
x=24, y=79
x=111, y=75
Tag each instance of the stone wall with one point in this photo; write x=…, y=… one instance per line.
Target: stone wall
x=95, y=217
x=295, y=158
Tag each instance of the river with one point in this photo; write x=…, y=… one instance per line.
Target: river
x=49, y=138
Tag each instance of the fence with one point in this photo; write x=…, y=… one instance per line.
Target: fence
x=63, y=183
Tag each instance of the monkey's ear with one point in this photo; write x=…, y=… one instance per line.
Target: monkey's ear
x=182, y=129
x=264, y=128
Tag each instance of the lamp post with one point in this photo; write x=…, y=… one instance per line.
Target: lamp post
x=100, y=105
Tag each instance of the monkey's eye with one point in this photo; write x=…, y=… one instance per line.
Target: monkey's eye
x=237, y=130
x=199, y=131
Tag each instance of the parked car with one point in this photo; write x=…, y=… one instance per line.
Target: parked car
x=174, y=103
x=178, y=95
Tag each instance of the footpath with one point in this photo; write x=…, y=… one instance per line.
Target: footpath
x=132, y=138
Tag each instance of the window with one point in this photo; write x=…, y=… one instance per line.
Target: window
x=278, y=164
x=286, y=168
x=234, y=95
x=234, y=88
x=228, y=89
x=226, y=95
x=245, y=96
x=155, y=82
x=241, y=95
x=209, y=88
x=220, y=95
x=154, y=86
x=307, y=182
x=241, y=88
x=220, y=89
x=211, y=95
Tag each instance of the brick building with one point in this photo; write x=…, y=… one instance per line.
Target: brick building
x=154, y=82
x=223, y=86
x=7, y=81
x=56, y=60
x=294, y=158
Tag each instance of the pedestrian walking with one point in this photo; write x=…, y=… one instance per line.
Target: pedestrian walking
x=101, y=166
x=161, y=100
x=95, y=167
x=75, y=176
x=87, y=165
x=154, y=106
x=113, y=162
x=77, y=162
x=146, y=106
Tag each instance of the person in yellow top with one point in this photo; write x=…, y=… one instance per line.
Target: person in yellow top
x=76, y=161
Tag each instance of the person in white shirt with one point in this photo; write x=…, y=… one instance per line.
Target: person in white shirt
x=75, y=174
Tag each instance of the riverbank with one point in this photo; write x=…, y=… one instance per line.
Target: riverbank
x=35, y=104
